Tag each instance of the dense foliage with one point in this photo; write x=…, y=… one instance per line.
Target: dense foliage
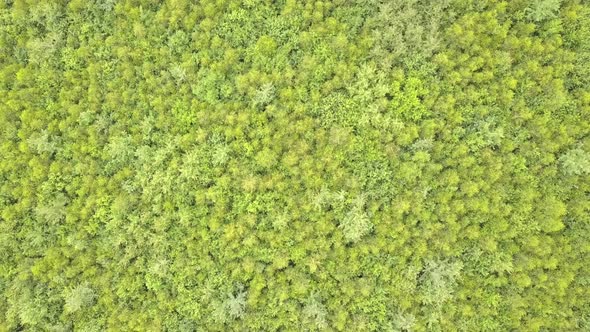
x=258, y=165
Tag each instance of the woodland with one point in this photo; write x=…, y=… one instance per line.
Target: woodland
x=294, y=165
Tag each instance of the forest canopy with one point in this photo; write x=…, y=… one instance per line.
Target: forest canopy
x=294, y=165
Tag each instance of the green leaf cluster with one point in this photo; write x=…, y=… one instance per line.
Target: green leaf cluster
x=338, y=165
